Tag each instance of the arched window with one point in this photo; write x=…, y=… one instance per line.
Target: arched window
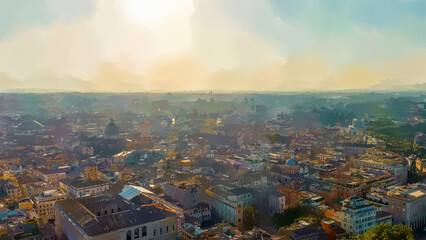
x=143, y=231
x=136, y=233
x=129, y=235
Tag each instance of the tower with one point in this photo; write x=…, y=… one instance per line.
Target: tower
x=240, y=217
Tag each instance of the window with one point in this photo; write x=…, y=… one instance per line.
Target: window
x=136, y=233
x=129, y=235
x=155, y=232
x=161, y=231
x=167, y=229
x=173, y=227
x=143, y=231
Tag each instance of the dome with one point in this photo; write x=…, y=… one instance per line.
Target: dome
x=292, y=162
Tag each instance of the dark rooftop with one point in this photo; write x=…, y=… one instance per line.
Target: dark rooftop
x=50, y=170
x=81, y=211
x=240, y=191
x=78, y=183
x=382, y=214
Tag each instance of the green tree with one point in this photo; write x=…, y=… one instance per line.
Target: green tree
x=291, y=214
x=386, y=232
x=250, y=217
x=274, y=138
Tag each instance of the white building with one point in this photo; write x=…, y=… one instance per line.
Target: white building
x=276, y=202
x=79, y=188
x=358, y=216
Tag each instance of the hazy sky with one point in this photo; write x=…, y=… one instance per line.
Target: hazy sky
x=185, y=45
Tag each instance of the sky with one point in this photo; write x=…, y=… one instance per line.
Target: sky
x=203, y=45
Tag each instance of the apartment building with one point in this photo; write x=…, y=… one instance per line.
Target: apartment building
x=45, y=204
x=407, y=204
x=358, y=216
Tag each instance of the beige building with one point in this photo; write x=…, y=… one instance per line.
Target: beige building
x=76, y=188
x=90, y=173
x=10, y=189
x=50, y=174
x=45, y=204
x=399, y=169
x=119, y=158
x=407, y=204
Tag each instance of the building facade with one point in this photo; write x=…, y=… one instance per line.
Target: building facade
x=45, y=204
x=228, y=203
x=111, y=217
x=407, y=204
x=276, y=202
x=358, y=216
x=79, y=188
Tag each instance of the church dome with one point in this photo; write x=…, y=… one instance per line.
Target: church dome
x=292, y=162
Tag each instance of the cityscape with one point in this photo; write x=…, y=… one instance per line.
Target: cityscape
x=212, y=120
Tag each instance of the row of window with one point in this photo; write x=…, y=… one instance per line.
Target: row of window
x=140, y=233
x=45, y=205
x=112, y=211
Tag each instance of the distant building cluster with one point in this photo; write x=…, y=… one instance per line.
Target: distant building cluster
x=148, y=168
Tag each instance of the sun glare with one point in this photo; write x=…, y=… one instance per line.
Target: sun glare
x=149, y=12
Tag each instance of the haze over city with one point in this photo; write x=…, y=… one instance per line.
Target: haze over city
x=195, y=45
x=213, y=119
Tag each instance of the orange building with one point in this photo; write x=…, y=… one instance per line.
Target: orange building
x=332, y=229
x=291, y=194
x=90, y=173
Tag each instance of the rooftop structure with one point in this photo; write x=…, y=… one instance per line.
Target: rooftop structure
x=81, y=188
x=113, y=217
x=131, y=191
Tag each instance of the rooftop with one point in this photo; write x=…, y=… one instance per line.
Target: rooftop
x=409, y=192
x=239, y=191
x=49, y=194
x=383, y=214
x=131, y=191
x=77, y=183
x=82, y=212
x=50, y=170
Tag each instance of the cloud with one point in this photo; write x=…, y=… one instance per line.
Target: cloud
x=179, y=74
x=139, y=45
x=9, y=82
x=46, y=80
x=110, y=77
x=16, y=16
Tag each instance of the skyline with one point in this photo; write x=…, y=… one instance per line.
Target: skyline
x=165, y=45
